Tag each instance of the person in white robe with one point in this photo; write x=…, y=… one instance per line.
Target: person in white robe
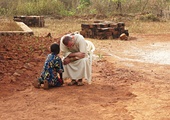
x=90, y=49
x=77, y=62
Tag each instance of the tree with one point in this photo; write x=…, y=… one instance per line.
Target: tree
x=118, y=4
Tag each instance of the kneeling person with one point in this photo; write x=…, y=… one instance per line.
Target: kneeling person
x=76, y=62
x=52, y=70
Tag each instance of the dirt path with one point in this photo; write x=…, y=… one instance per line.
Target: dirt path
x=150, y=57
x=131, y=81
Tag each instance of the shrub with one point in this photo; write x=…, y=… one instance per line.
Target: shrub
x=149, y=17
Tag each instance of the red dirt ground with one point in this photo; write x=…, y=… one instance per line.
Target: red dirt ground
x=131, y=81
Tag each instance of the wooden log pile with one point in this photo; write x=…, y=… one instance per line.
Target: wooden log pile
x=32, y=21
x=103, y=30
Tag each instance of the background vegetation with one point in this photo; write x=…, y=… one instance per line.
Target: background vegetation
x=83, y=7
x=116, y=10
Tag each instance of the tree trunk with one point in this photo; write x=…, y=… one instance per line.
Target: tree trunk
x=119, y=6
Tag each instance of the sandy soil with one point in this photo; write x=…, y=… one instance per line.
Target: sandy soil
x=131, y=81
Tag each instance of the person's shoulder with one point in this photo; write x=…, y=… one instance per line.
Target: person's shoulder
x=62, y=37
x=78, y=35
x=50, y=55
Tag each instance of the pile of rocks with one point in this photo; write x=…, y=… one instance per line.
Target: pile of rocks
x=104, y=30
x=32, y=21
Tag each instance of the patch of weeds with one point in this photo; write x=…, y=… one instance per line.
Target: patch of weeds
x=37, y=40
x=31, y=48
x=149, y=17
x=42, y=47
x=100, y=56
x=19, y=47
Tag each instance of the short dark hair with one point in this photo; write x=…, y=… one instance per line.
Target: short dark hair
x=55, y=48
x=66, y=39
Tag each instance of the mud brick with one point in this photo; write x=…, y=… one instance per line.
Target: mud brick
x=85, y=26
x=115, y=33
x=90, y=33
x=104, y=35
x=98, y=21
x=41, y=22
x=87, y=33
x=111, y=29
x=94, y=30
x=108, y=34
x=126, y=32
x=19, y=18
x=83, y=33
x=98, y=25
x=120, y=24
x=103, y=25
x=85, y=29
x=111, y=24
x=94, y=25
x=100, y=36
x=120, y=30
x=123, y=36
x=103, y=29
x=34, y=21
x=114, y=25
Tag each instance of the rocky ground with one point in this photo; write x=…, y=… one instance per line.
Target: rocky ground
x=131, y=81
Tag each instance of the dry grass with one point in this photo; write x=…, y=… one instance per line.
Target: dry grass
x=148, y=27
x=9, y=25
x=59, y=27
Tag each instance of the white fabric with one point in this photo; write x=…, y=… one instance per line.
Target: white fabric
x=81, y=68
x=90, y=50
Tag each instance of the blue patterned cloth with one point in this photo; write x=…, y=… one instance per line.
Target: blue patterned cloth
x=52, y=68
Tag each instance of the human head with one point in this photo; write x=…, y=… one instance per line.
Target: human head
x=68, y=41
x=55, y=48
